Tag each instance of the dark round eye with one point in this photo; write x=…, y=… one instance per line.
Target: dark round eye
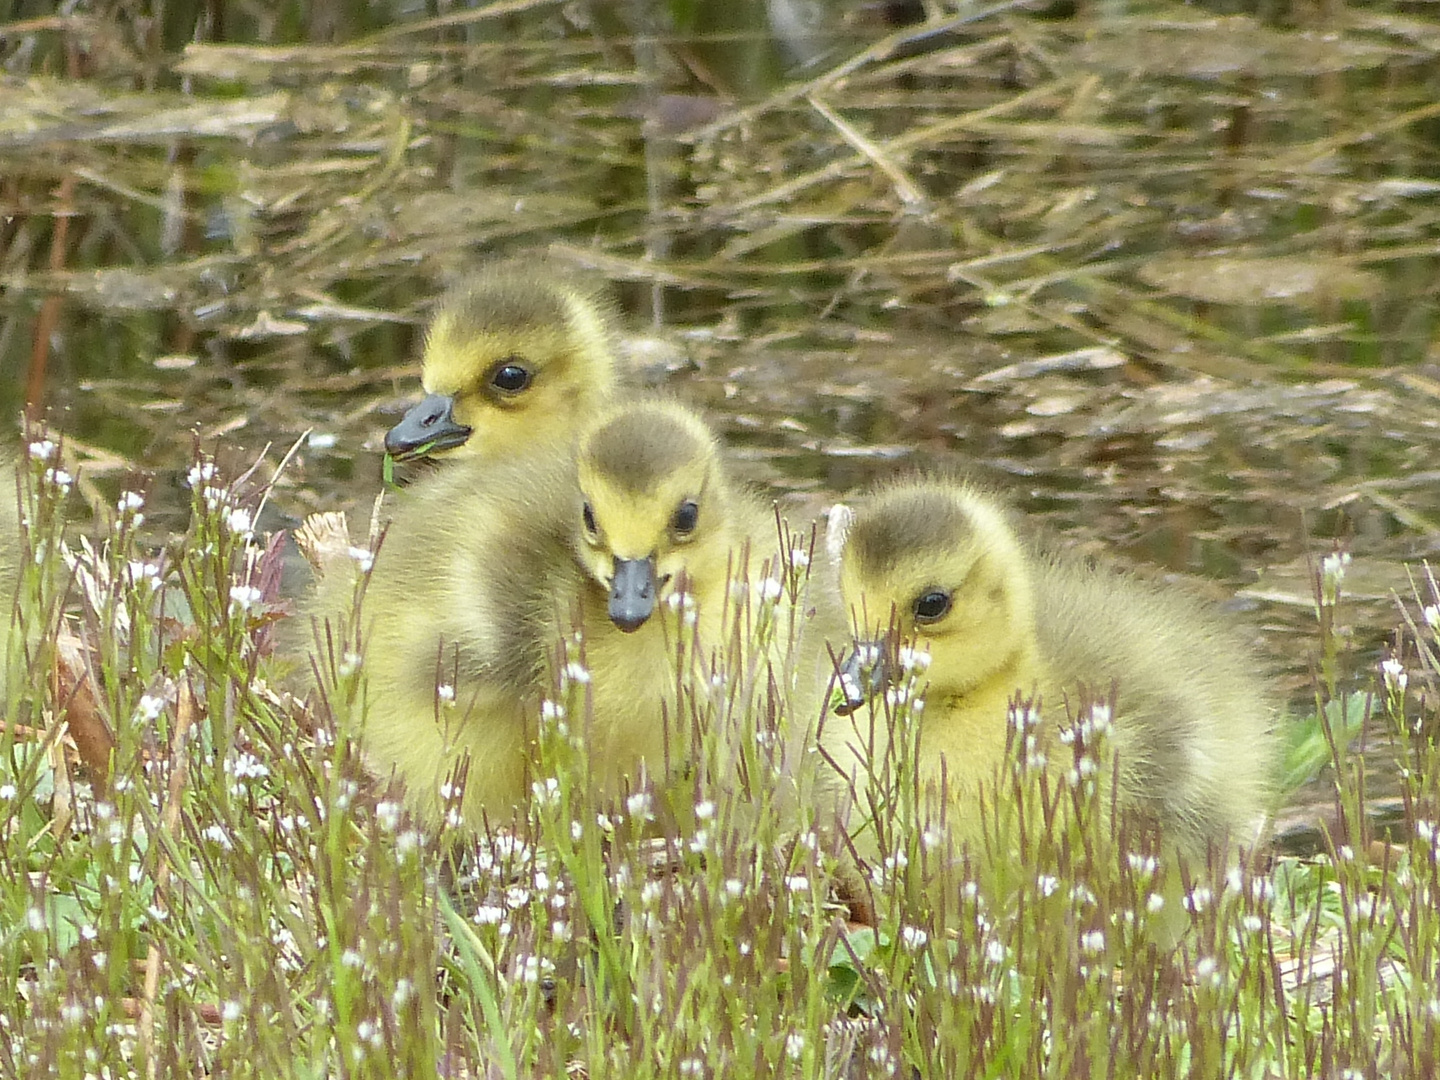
x=587, y=515
x=931, y=606
x=686, y=516
x=510, y=377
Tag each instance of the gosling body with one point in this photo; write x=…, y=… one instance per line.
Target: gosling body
x=452, y=626
x=1002, y=622
x=663, y=528
x=488, y=566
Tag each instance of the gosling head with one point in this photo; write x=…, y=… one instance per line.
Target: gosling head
x=938, y=565
x=653, y=511
x=517, y=354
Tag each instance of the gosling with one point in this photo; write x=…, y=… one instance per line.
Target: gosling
x=488, y=566
x=1001, y=623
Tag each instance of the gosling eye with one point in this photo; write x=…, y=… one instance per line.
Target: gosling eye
x=512, y=376
x=587, y=515
x=931, y=606
x=687, y=515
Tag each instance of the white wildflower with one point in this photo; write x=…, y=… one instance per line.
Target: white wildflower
x=244, y=597
x=144, y=575
x=387, y=813
x=200, y=473
x=1145, y=865
x=240, y=522
x=130, y=502
x=1026, y=716
x=680, y=601
x=245, y=766
x=534, y=968
x=1393, y=673
x=913, y=659
x=1332, y=574
x=149, y=708
x=401, y=995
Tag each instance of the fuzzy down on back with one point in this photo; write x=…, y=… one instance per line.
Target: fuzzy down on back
x=460, y=597
x=1194, y=719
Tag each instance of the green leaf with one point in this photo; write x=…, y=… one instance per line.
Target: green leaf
x=1307, y=750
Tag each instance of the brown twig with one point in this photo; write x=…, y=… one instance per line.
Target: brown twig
x=49, y=316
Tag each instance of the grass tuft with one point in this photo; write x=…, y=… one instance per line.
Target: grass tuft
x=234, y=895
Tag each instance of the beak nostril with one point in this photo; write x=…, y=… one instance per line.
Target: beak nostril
x=428, y=427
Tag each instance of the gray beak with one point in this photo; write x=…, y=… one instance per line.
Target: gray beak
x=427, y=428
x=864, y=672
x=632, y=593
